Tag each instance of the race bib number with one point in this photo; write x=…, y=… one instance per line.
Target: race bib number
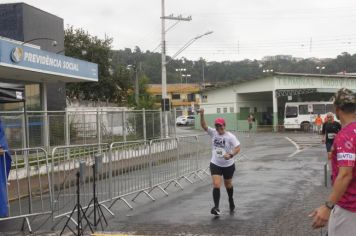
x=331, y=135
x=220, y=152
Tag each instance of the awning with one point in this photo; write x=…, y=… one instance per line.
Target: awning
x=10, y=93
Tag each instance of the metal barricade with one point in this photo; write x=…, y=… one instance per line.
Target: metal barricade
x=164, y=161
x=27, y=187
x=65, y=165
x=188, y=154
x=130, y=170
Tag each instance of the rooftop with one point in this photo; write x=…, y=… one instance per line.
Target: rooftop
x=172, y=88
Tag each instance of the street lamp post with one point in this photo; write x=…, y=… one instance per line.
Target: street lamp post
x=267, y=71
x=44, y=101
x=186, y=76
x=135, y=70
x=320, y=68
x=54, y=42
x=180, y=73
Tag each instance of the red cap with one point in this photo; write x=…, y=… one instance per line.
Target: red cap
x=220, y=121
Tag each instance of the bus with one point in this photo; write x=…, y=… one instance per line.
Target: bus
x=301, y=115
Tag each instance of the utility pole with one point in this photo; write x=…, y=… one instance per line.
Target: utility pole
x=137, y=84
x=203, y=65
x=164, y=63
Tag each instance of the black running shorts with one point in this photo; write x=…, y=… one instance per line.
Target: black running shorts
x=227, y=172
x=328, y=145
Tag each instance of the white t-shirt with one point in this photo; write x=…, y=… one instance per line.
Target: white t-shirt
x=221, y=145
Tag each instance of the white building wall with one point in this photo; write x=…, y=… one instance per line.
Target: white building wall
x=220, y=98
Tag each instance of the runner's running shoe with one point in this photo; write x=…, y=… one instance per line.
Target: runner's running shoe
x=232, y=204
x=215, y=211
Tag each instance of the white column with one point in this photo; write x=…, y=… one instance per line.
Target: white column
x=275, y=110
x=45, y=130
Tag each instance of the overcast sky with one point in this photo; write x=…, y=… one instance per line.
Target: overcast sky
x=242, y=28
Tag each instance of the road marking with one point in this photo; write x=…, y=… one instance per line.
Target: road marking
x=296, y=146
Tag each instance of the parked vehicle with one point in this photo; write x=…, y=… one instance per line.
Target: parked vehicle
x=301, y=115
x=190, y=120
x=181, y=120
x=185, y=120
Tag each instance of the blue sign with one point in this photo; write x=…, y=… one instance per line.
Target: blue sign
x=33, y=59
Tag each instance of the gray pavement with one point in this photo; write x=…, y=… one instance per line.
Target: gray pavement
x=274, y=194
x=275, y=189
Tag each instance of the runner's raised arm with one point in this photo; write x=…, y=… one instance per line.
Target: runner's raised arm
x=202, y=120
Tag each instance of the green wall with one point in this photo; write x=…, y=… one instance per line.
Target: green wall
x=232, y=122
x=230, y=119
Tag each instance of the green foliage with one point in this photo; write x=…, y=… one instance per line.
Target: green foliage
x=112, y=87
x=228, y=71
x=145, y=100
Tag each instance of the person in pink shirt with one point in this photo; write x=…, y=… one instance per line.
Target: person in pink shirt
x=340, y=208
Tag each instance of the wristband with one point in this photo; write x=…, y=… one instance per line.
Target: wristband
x=330, y=205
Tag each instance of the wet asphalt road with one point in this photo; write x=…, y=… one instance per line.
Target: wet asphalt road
x=275, y=189
x=267, y=184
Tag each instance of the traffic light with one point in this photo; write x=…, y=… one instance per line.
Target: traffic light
x=165, y=104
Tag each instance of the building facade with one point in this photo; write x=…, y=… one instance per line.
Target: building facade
x=24, y=23
x=184, y=97
x=265, y=98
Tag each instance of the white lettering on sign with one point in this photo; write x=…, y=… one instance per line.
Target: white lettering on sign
x=49, y=61
x=296, y=81
x=304, y=82
x=346, y=156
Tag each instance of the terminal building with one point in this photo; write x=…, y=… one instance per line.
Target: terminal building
x=266, y=97
x=32, y=58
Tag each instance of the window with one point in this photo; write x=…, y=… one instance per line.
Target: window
x=205, y=98
x=225, y=109
x=191, y=97
x=303, y=110
x=291, y=112
x=330, y=108
x=175, y=96
x=318, y=108
x=231, y=110
x=218, y=110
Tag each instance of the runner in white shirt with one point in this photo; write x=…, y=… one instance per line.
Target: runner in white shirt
x=224, y=147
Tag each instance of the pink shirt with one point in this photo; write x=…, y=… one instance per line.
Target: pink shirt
x=343, y=155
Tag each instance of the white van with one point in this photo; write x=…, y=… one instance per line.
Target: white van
x=301, y=115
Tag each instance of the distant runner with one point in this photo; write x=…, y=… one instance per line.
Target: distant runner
x=318, y=123
x=340, y=207
x=250, y=120
x=329, y=131
x=224, y=147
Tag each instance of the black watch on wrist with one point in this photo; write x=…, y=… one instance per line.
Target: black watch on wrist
x=330, y=205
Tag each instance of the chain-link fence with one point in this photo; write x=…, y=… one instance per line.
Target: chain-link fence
x=76, y=127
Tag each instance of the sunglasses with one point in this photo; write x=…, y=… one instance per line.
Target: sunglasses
x=218, y=126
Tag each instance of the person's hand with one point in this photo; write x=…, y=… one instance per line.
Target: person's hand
x=320, y=217
x=227, y=156
x=201, y=111
x=323, y=140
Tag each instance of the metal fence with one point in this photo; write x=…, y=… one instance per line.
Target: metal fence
x=42, y=184
x=65, y=164
x=74, y=127
x=129, y=169
x=28, y=191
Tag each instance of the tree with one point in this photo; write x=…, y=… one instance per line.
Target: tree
x=112, y=85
